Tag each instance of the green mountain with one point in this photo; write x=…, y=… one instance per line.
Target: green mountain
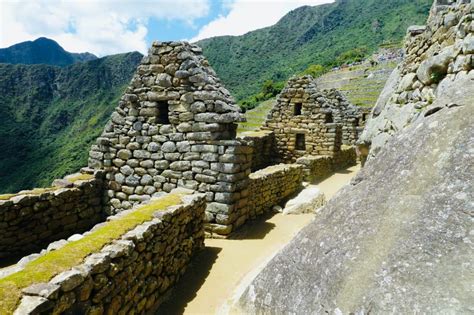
x=41, y=51
x=310, y=35
x=50, y=115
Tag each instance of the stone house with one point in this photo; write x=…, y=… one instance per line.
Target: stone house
x=175, y=126
x=307, y=121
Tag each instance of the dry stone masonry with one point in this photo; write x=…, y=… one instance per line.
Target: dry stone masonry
x=273, y=186
x=309, y=121
x=435, y=73
x=175, y=127
x=317, y=168
x=30, y=220
x=133, y=274
x=264, y=147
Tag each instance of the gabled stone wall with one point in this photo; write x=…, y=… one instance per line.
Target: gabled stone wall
x=308, y=121
x=175, y=126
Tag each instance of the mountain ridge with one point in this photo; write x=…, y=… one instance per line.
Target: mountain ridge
x=309, y=35
x=42, y=51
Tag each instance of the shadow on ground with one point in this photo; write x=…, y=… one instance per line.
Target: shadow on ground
x=190, y=282
x=201, y=265
x=254, y=229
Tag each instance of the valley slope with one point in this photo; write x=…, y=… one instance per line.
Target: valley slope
x=309, y=35
x=49, y=116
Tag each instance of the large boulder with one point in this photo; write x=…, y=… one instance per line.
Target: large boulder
x=398, y=240
x=309, y=200
x=437, y=68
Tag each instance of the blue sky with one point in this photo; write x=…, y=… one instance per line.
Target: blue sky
x=106, y=27
x=170, y=30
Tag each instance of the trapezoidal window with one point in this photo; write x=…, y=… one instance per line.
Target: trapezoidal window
x=328, y=119
x=300, y=142
x=297, y=109
x=163, y=113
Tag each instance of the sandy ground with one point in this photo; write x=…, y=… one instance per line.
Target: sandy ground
x=225, y=266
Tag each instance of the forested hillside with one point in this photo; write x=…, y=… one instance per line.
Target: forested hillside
x=49, y=116
x=325, y=35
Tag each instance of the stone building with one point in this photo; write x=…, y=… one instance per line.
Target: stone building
x=308, y=121
x=175, y=126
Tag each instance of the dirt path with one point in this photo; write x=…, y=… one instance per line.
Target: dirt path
x=217, y=271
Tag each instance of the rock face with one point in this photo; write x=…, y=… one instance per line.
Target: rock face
x=397, y=240
x=436, y=72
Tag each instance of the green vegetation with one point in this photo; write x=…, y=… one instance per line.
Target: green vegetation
x=437, y=75
x=351, y=56
x=51, y=264
x=362, y=84
x=268, y=90
x=256, y=116
x=310, y=36
x=49, y=116
x=315, y=71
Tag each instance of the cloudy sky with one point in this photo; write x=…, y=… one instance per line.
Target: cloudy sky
x=106, y=27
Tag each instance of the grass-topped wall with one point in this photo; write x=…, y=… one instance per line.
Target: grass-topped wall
x=125, y=264
x=30, y=220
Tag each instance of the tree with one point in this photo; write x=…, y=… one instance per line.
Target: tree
x=315, y=70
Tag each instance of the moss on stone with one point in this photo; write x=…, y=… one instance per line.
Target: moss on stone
x=6, y=196
x=77, y=177
x=34, y=192
x=72, y=254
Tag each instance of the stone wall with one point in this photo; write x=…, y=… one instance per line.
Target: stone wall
x=30, y=220
x=345, y=158
x=316, y=168
x=309, y=121
x=264, y=147
x=436, y=73
x=272, y=186
x=175, y=126
x=131, y=275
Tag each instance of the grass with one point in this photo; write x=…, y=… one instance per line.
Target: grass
x=35, y=191
x=77, y=177
x=354, y=83
x=51, y=264
x=256, y=116
x=6, y=196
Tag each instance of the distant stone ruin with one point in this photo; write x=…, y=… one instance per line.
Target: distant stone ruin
x=307, y=121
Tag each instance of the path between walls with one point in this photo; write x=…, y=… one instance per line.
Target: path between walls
x=225, y=266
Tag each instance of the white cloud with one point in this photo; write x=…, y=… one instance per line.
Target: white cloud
x=98, y=26
x=248, y=15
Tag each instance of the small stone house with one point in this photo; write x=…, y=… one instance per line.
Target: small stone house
x=308, y=121
x=175, y=126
